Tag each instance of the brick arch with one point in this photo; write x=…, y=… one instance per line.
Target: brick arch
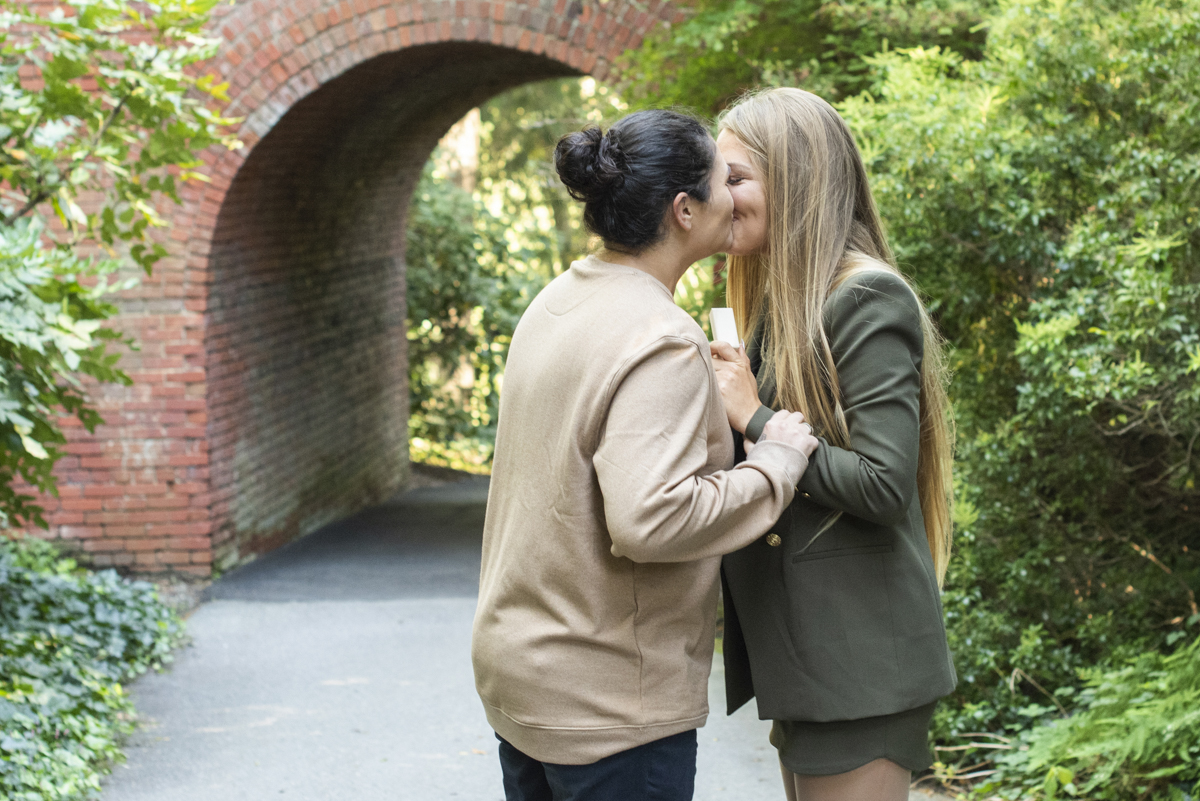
x=270, y=389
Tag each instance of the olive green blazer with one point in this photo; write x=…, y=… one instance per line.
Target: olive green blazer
x=847, y=624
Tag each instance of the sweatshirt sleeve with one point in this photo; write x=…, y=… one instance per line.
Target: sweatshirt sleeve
x=875, y=334
x=652, y=449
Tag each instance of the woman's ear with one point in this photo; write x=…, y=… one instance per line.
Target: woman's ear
x=681, y=210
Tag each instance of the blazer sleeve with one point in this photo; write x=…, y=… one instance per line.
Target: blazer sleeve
x=874, y=327
x=660, y=502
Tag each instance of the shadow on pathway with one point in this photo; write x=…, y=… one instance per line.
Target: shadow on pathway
x=338, y=667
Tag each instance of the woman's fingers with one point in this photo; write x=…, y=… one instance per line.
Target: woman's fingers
x=790, y=428
x=735, y=380
x=726, y=374
x=724, y=351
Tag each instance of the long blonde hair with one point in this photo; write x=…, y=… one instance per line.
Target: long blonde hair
x=822, y=228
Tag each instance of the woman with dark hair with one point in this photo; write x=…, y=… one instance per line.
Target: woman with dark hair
x=613, y=492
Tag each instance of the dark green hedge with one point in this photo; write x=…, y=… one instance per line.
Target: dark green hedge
x=1135, y=734
x=68, y=639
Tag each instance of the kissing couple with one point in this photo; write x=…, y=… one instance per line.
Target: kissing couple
x=640, y=471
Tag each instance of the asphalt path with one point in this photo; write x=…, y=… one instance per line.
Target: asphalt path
x=338, y=667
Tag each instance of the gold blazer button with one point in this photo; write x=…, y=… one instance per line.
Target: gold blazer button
x=773, y=540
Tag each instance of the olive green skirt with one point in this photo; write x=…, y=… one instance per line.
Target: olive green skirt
x=825, y=749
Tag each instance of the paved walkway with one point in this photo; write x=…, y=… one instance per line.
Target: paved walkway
x=338, y=667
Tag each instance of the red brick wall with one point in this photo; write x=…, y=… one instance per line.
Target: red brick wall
x=270, y=390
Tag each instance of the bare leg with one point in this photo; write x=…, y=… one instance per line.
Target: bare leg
x=880, y=780
x=789, y=783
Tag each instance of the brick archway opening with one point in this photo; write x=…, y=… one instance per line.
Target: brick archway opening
x=305, y=342
x=270, y=389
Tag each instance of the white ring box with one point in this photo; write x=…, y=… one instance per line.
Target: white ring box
x=723, y=325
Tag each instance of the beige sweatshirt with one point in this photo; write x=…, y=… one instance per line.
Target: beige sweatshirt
x=611, y=502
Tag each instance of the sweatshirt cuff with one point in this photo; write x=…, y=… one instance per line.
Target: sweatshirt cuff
x=755, y=427
x=779, y=454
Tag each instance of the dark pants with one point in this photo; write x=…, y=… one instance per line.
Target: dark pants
x=664, y=770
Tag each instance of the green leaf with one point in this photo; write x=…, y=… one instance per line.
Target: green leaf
x=32, y=446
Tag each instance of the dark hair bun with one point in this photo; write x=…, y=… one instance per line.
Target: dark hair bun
x=629, y=177
x=590, y=164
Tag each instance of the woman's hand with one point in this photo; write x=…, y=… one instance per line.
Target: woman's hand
x=739, y=389
x=790, y=429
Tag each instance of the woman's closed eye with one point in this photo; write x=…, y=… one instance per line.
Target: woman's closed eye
x=734, y=180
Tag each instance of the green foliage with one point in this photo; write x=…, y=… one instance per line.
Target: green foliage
x=116, y=111
x=68, y=638
x=112, y=112
x=475, y=260
x=1046, y=197
x=465, y=297
x=517, y=179
x=726, y=47
x=50, y=336
x=1135, y=734
x=697, y=291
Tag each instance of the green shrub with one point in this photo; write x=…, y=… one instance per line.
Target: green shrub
x=68, y=639
x=466, y=292
x=1046, y=199
x=725, y=47
x=1136, y=735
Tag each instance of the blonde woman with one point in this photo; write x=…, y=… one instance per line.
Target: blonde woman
x=834, y=618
